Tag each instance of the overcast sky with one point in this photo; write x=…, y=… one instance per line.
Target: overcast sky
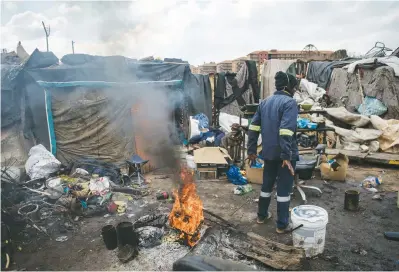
x=198, y=31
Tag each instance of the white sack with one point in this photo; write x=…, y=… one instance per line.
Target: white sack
x=351, y=146
x=311, y=88
x=359, y=135
x=343, y=115
x=226, y=120
x=389, y=140
x=374, y=146
x=41, y=163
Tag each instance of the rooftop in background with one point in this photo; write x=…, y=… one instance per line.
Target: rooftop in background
x=241, y=58
x=225, y=61
x=275, y=51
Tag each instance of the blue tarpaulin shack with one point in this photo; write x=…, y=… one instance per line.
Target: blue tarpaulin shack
x=87, y=102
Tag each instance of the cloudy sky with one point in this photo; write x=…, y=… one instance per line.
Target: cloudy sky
x=198, y=31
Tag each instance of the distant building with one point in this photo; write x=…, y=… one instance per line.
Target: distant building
x=258, y=56
x=237, y=63
x=224, y=66
x=207, y=68
x=261, y=56
x=194, y=69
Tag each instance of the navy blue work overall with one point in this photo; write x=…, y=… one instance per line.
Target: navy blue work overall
x=276, y=120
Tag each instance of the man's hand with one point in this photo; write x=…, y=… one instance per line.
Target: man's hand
x=289, y=165
x=252, y=157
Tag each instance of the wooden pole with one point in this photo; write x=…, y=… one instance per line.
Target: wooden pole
x=47, y=32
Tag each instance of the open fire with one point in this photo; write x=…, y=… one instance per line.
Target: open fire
x=187, y=213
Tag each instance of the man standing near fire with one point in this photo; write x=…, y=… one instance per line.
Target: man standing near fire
x=276, y=120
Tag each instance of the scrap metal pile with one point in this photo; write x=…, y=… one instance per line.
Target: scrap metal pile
x=55, y=196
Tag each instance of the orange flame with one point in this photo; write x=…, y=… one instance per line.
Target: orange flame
x=187, y=213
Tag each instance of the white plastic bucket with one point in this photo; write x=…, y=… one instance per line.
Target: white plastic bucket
x=311, y=236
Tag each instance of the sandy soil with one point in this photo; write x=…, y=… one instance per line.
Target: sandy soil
x=354, y=240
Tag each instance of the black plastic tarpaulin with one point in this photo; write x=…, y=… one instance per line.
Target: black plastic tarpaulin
x=319, y=72
x=11, y=94
x=88, y=101
x=40, y=59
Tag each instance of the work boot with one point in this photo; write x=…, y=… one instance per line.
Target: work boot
x=262, y=220
x=287, y=229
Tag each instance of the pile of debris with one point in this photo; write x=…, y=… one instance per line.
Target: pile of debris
x=56, y=196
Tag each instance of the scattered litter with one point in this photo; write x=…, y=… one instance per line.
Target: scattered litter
x=99, y=186
x=130, y=215
x=162, y=195
x=107, y=215
x=80, y=172
x=360, y=251
x=243, y=189
x=112, y=207
x=373, y=190
x=76, y=219
x=121, y=206
x=377, y=197
x=68, y=225
x=370, y=183
x=61, y=238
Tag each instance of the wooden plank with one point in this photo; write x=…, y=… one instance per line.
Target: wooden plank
x=382, y=158
x=272, y=254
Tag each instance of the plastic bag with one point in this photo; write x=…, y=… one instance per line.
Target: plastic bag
x=371, y=182
x=257, y=163
x=372, y=106
x=41, y=163
x=203, y=121
x=243, y=189
x=99, y=186
x=302, y=122
x=234, y=175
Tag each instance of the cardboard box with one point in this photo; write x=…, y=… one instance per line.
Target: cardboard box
x=329, y=174
x=211, y=157
x=211, y=161
x=254, y=175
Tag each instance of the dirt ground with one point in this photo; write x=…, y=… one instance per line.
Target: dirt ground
x=354, y=240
